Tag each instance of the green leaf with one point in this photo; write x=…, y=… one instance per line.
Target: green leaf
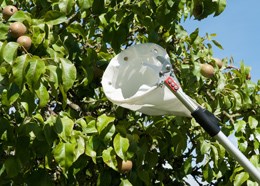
x=188, y=165
x=64, y=126
x=91, y=127
x=54, y=17
x=49, y=133
x=90, y=151
x=253, y=123
x=81, y=122
x=251, y=183
x=78, y=29
x=103, y=20
x=108, y=133
x=215, y=154
x=69, y=74
x=10, y=51
x=54, y=54
x=243, y=145
x=19, y=67
x=207, y=173
x=170, y=3
x=144, y=176
x=109, y=158
x=2, y=46
x=3, y=31
x=205, y=146
x=43, y=95
x=20, y=16
x=10, y=95
x=80, y=144
x=103, y=121
x=64, y=155
x=66, y=6
x=194, y=35
x=54, y=75
x=181, y=145
x=255, y=160
x=221, y=5
x=12, y=166
x=227, y=101
x=217, y=44
x=85, y=4
x=121, y=146
x=4, y=98
x=221, y=83
x=31, y=129
x=36, y=68
x=125, y=182
x=241, y=178
x=237, y=99
x=38, y=36
x=221, y=151
x=240, y=126
x=28, y=102
x=197, y=9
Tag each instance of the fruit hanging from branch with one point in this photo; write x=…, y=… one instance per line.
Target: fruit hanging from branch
x=25, y=42
x=17, y=29
x=125, y=166
x=207, y=70
x=218, y=62
x=8, y=11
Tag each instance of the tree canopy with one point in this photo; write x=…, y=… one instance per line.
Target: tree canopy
x=58, y=128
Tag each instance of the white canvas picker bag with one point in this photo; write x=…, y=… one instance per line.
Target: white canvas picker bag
x=131, y=81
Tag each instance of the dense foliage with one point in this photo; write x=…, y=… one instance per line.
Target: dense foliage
x=58, y=128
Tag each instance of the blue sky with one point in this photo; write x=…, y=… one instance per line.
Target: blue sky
x=238, y=31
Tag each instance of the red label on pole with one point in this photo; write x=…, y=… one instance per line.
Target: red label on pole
x=171, y=84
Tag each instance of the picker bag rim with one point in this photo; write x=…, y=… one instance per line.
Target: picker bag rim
x=131, y=81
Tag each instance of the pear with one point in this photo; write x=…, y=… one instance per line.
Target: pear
x=25, y=41
x=8, y=11
x=207, y=70
x=218, y=62
x=17, y=29
x=125, y=166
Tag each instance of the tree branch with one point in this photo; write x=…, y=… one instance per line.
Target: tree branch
x=231, y=116
x=73, y=105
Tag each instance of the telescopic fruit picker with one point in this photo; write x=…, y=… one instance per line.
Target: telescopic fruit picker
x=141, y=78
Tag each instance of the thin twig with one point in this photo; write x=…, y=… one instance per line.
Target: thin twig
x=231, y=116
x=73, y=105
x=232, y=67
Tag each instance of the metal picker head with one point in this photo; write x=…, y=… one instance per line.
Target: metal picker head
x=133, y=78
x=166, y=70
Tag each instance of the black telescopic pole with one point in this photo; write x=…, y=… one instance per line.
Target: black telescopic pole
x=210, y=124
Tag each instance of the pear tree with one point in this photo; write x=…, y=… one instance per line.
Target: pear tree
x=58, y=128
